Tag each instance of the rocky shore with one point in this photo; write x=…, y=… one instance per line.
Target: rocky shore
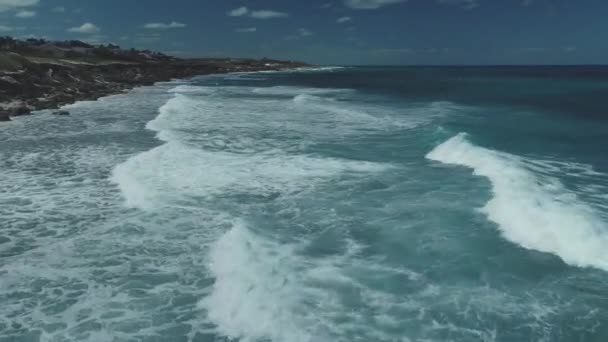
x=35, y=75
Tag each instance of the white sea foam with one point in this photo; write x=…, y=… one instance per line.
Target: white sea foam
x=244, y=77
x=233, y=114
x=304, y=70
x=226, y=162
x=169, y=115
x=175, y=171
x=294, y=90
x=359, y=116
x=256, y=294
x=320, y=69
x=347, y=114
x=533, y=211
x=188, y=88
x=267, y=289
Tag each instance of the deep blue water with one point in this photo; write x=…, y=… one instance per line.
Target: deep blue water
x=337, y=204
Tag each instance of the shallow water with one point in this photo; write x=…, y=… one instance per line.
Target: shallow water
x=355, y=204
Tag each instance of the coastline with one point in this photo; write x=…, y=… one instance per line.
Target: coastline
x=51, y=84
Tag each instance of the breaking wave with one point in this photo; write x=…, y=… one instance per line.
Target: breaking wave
x=535, y=212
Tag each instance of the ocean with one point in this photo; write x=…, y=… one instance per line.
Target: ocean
x=332, y=204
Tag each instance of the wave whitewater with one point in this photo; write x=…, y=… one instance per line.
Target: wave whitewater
x=180, y=169
x=533, y=212
x=262, y=288
x=306, y=214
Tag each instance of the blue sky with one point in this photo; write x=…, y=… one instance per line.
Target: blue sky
x=331, y=31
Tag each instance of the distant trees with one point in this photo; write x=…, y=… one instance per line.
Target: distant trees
x=8, y=43
x=77, y=49
x=74, y=44
x=19, y=46
x=35, y=41
x=102, y=52
x=78, y=43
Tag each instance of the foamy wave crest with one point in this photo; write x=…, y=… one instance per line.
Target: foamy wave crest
x=535, y=212
x=244, y=77
x=256, y=294
x=188, y=88
x=320, y=69
x=303, y=70
x=364, y=117
x=271, y=290
x=175, y=172
x=294, y=91
x=195, y=164
x=178, y=113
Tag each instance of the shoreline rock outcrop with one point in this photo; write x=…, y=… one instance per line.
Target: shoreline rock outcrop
x=30, y=79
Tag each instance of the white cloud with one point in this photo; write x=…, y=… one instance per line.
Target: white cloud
x=466, y=4
x=239, y=12
x=304, y=32
x=267, y=14
x=260, y=14
x=6, y=5
x=25, y=14
x=343, y=20
x=301, y=33
x=88, y=28
x=58, y=9
x=5, y=28
x=246, y=29
x=370, y=4
x=163, y=26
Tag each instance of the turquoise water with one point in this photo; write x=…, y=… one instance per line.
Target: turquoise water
x=346, y=204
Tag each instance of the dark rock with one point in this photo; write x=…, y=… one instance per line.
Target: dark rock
x=8, y=79
x=15, y=108
x=10, y=61
x=61, y=112
x=28, y=82
x=21, y=109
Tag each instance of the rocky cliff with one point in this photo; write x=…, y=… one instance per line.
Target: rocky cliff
x=41, y=81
